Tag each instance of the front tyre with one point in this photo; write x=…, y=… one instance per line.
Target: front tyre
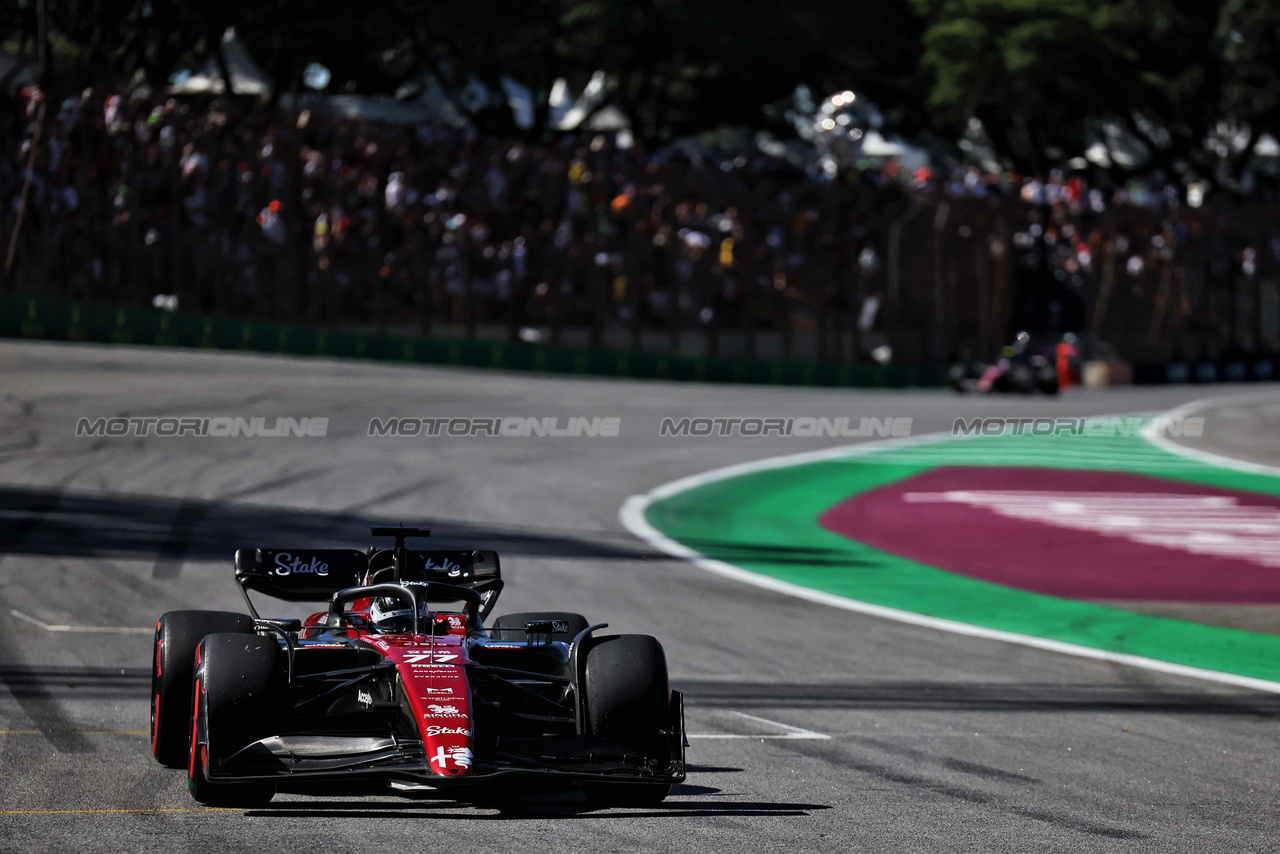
x=628, y=700
x=1047, y=380
x=239, y=696
x=173, y=654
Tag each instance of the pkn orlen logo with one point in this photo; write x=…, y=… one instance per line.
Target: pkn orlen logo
x=225, y=426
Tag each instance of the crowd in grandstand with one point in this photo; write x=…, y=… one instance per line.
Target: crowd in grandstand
x=237, y=207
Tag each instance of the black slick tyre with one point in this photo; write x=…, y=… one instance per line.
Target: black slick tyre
x=628, y=699
x=173, y=653
x=239, y=696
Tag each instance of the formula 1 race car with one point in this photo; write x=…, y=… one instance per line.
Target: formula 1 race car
x=1033, y=375
x=382, y=689
x=1024, y=367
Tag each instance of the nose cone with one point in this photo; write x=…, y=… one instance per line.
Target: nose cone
x=452, y=761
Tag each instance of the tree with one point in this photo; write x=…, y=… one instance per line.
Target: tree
x=1044, y=75
x=874, y=47
x=1248, y=39
x=680, y=67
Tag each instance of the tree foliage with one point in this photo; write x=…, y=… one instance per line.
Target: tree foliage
x=1045, y=78
x=1248, y=40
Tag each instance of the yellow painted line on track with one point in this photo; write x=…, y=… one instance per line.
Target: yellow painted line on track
x=100, y=812
x=74, y=732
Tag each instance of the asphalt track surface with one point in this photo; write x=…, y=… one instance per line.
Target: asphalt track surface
x=812, y=728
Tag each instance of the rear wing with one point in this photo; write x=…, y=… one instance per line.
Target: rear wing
x=314, y=575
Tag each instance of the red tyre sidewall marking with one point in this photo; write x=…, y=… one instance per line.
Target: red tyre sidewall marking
x=195, y=715
x=195, y=718
x=155, y=707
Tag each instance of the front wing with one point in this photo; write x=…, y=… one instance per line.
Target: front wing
x=348, y=758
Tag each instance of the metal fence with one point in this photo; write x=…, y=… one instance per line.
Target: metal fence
x=232, y=209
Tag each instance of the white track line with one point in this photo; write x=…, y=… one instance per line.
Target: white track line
x=791, y=732
x=124, y=630
x=1166, y=444
x=632, y=517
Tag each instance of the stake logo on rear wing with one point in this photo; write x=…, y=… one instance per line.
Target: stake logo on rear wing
x=300, y=575
x=314, y=575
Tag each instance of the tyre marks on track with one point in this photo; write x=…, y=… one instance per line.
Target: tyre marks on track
x=177, y=542
x=23, y=682
x=32, y=691
x=1008, y=800
x=968, y=696
x=36, y=700
x=191, y=513
x=19, y=518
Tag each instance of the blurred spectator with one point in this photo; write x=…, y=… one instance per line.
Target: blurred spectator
x=243, y=210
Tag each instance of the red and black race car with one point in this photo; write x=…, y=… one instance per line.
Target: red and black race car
x=392, y=686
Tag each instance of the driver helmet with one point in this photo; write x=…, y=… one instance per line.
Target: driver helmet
x=1022, y=341
x=390, y=615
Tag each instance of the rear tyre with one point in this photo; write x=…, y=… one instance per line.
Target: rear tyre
x=960, y=379
x=576, y=622
x=628, y=700
x=177, y=634
x=1047, y=380
x=239, y=696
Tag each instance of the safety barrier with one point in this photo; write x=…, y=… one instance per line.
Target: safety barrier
x=62, y=320
x=1239, y=370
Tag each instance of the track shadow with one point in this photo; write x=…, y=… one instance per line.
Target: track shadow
x=112, y=683
x=47, y=682
x=684, y=802
x=37, y=521
x=735, y=551
x=970, y=696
